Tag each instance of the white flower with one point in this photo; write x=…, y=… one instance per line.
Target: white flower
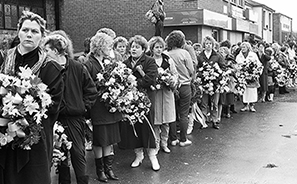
x=17, y=99
x=45, y=98
x=161, y=70
x=3, y=91
x=107, y=61
x=42, y=86
x=100, y=76
x=104, y=96
x=32, y=108
x=130, y=95
x=112, y=80
x=26, y=73
x=7, y=98
x=3, y=140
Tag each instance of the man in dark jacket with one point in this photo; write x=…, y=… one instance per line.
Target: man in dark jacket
x=80, y=94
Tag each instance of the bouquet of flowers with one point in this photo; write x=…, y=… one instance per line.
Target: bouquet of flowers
x=292, y=71
x=251, y=70
x=165, y=79
x=212, y=78
x=61, y=145
x=118, y=89
x=240, y=83
x=282, y=77
x=279, y=73
x=24, y=104
x=113, y=81
x=135, y=105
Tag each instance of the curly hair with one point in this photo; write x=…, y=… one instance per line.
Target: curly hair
x=155, y=39
x=208, y=38
x=67, y=47
x=175, y=39
x=27, y=15
x=119, y=39
x=107, y=31
x=140, y=40
x=247, y=44
x=100, y=41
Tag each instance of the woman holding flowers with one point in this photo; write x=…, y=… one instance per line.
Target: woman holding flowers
x=264, y=58
x=80, y=94
x=105, y=123
x=252, y=68
x=141, y=134
x=18, y=166
x=229, y=98
x=166, y=83
x=210, y=59
x=185, y=68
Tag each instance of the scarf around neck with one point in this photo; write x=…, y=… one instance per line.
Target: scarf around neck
x=8, y=66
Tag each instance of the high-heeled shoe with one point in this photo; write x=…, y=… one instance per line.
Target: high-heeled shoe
x=138, y=159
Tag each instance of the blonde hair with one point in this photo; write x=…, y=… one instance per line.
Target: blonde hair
x=27, y=15
x=247, y=44
x=100, y=41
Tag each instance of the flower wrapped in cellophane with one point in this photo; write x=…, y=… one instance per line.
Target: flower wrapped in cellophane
x=135, y=105
x=25, y=102
x=165, y=79
x=212, y=78
x=251, y=71
x=292, y=74
x=113, y=81
x=61, y=145
x=118, y=89
x=280, y=75
x=240, y=83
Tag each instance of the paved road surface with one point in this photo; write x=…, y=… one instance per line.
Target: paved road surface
x=250, y=148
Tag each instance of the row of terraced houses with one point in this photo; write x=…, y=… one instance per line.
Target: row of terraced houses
x=234, y=20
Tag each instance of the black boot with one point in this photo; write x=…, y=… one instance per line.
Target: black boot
x=100, y=170
x=281, y=90
x=64, y=175
x=232, y=108
x=108, y=160
x=82, y=179
x=215, y=125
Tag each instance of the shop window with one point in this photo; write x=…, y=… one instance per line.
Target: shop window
x=11, y=16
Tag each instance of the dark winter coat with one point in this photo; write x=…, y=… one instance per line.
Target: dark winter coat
x=80, y=92
x=99, y=113
x=18, y=166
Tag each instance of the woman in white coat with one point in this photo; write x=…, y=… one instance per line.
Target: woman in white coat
x=250, y=95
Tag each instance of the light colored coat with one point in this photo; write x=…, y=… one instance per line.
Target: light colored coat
x=164, y=101
x=250, y=94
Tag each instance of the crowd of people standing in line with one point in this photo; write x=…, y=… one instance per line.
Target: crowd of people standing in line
x=73, y=86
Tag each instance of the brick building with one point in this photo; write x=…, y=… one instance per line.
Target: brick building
x=11, y=10
x=81, y=18
x=223, y=19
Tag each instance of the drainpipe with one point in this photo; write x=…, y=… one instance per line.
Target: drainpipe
x=57, y=14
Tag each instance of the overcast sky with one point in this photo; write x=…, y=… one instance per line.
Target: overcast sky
x=286, y=7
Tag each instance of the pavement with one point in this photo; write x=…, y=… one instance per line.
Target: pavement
x=249, y=148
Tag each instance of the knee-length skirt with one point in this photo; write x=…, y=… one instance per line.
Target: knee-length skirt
x=105, y=135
